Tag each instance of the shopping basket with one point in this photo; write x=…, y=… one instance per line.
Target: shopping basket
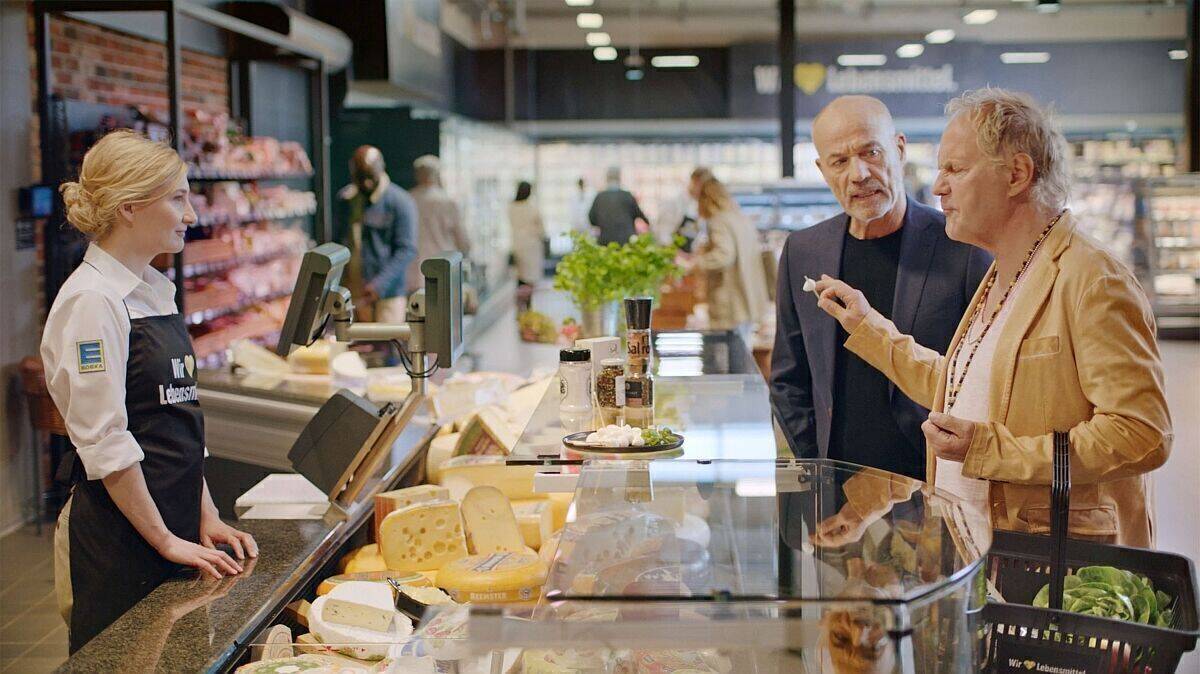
x=1022, y=638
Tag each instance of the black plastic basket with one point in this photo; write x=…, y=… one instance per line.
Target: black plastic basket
x=1022, y=638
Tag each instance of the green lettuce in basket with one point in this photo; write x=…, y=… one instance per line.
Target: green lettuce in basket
x=1109, y=592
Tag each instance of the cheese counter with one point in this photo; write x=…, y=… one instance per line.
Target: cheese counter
x=709, y=388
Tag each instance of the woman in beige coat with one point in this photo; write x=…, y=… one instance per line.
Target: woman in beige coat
x=732, y=261
x=1059, y=337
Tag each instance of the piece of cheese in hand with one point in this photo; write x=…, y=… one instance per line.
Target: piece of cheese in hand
x=362, y=604
x=489, y=522
x=390, y=501
x=535, y=519
x=422, y=537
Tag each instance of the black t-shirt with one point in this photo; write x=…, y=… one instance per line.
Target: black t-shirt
x=864, y=431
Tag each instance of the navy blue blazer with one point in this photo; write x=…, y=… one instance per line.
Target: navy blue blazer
x=935, y=282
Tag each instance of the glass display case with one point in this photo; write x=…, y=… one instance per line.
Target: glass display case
x=727, y=566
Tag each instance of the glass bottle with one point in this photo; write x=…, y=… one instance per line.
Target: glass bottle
x=639, y=384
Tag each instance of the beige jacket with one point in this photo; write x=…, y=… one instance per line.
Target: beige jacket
x=737, y=281
x=1078, y=353
x=439, y=229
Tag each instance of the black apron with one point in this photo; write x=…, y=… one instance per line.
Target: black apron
x=112, y=566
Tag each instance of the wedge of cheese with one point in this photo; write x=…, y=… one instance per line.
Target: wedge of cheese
x=440, y=449
x=390, y=501
x=361, y=560
x=461, y=473
x=382, y=577
x=488, y=432
x=362, y=604
x=357, y=642
x=422, y=537
x=489, y=523
x=535, y=518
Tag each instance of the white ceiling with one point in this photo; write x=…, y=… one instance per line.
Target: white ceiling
x=550, y=24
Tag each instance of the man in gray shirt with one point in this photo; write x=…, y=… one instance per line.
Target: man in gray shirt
x=614, y=211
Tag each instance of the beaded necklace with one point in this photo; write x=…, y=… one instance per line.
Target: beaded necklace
x=956, y=379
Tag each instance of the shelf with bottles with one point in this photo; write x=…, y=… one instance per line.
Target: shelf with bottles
x=1105, y=210
x=1169, y=215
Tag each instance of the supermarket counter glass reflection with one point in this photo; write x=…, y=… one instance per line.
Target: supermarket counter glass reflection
x=693, y=562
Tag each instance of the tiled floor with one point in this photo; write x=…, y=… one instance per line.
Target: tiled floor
x=33, y=637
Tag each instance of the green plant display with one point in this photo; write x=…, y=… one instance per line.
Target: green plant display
x=594, y=275
x=1109, y=592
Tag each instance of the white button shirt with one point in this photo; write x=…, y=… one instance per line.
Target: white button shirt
x=85, y=350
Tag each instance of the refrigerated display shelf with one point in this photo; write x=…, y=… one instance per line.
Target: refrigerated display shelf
x=209, y=314
x=256, y=216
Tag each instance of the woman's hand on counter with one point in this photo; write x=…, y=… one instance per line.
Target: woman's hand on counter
x=214, y=531
x=211, y=561
x=846, y=304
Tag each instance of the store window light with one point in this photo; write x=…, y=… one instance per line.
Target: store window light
x=980, y=17
x=580, y=3
x=675, y=61
x=910, y=51
x=1178, y=54
x=598, y=39
x=589, y=20
x=1023, y=57
x=939, y=36
x=605, y=54
x=859, y=60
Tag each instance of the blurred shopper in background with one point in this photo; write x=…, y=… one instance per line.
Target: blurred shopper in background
x=614, y=212
x=528, y=242
x=581, y=203
x=678, y=215
x=731, y=259
x=1060, y=337
x=829, y=402
x=441, y=228
x=377, y=221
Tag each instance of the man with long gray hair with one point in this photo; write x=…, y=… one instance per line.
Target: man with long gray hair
x=1059, y=337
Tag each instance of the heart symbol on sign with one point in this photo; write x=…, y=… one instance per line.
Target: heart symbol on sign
x=189, y=362
x=1030, y=664
x=809, y=77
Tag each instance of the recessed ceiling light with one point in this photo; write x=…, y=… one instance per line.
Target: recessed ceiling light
x=589, y=20
x=605, y=54
x=939, y=36
x=1048, y=6
x=910, y=51
x=1020, y=57
x=580, y=3
x=675, y=61
x=1178, y=54
x=598, y=39
x=852, y=60
x=979, y=17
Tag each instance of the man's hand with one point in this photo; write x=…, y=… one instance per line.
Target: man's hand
x=213, y=531
x=948, y=437
x=848, y=305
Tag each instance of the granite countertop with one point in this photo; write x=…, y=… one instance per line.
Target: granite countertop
x=193, y=624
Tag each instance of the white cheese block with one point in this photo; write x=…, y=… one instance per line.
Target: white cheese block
x=489, y=522
x=422, y=537
x=461, y=473
x=357, y=642
x=390, y=501
x=361, y=604
x=535, y=519
x=440, y=449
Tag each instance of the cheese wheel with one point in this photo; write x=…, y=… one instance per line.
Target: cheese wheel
x=405, y=577
x=301, y=663
x=440, y=450
x=422, y=537
x=361, y=560
x=357, y=642
x=499, y=577
x=459, y=474
x=489, y=523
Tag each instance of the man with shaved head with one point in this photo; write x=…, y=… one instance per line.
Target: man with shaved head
x=829, y=402
x=377, y=221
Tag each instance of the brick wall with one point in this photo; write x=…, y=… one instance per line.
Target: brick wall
x=99, y=65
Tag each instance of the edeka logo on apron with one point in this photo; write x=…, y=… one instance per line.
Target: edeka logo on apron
x=181, y=368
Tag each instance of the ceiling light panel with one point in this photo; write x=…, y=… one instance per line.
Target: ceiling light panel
x=589, y=20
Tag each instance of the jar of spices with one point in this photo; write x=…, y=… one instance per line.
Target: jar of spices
x=575, y=389
x=610, y=390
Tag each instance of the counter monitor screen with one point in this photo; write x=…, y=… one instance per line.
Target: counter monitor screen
x=320, y=272
x=443, y=301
